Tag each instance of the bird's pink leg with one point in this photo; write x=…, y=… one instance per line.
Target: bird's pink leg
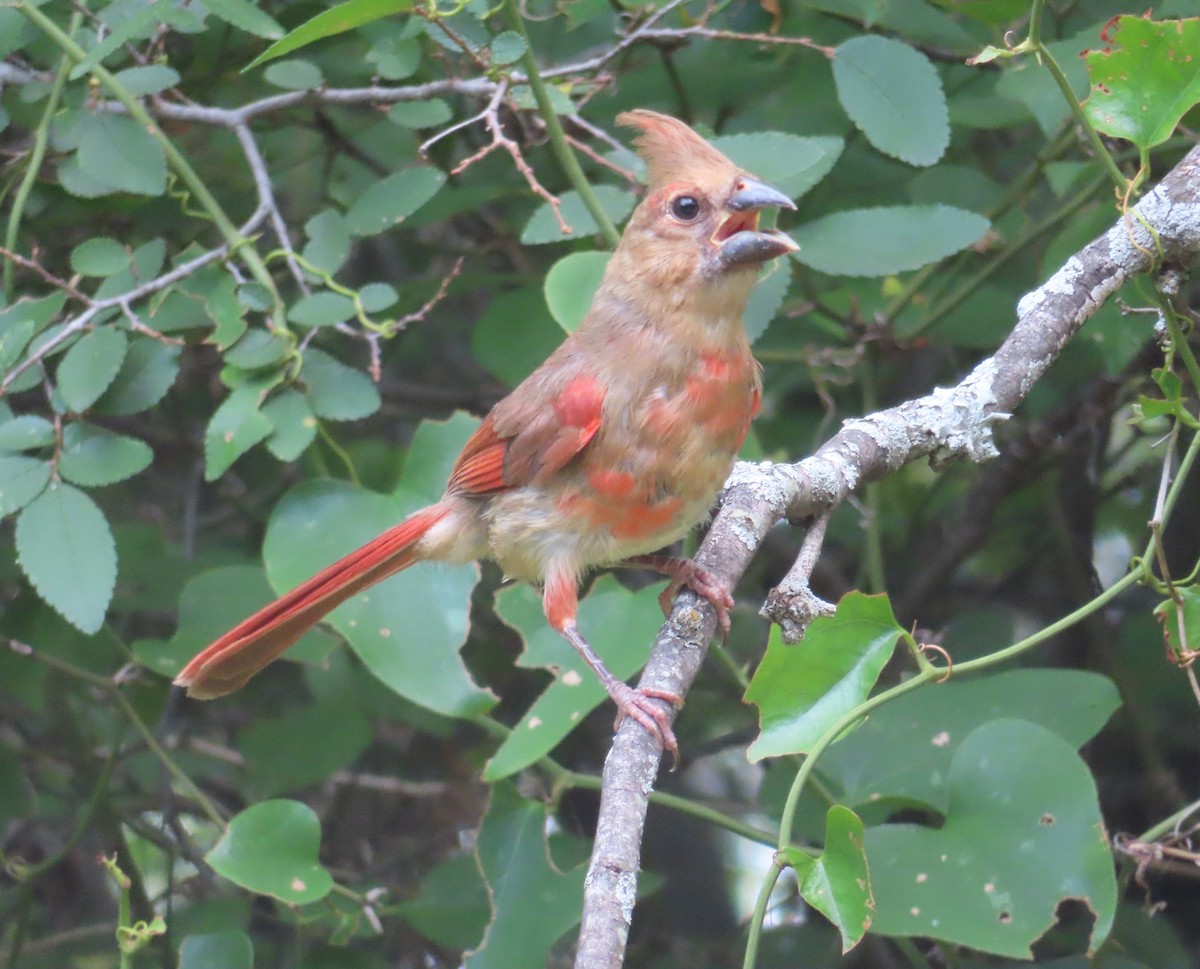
x=560, y=601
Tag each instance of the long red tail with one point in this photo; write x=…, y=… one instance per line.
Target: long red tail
x=229, y=662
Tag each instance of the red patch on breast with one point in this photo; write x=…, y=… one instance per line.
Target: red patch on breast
x=610, y=483
x=643, y=521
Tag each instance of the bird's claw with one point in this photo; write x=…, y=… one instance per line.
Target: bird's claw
x=704, y=584
x=638, y=706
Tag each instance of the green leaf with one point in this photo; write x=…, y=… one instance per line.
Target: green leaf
x=151, y=79
x=894, y=95
x=1022, y=834
x=229, y=949
x=147, y=373
x=766, y=298
x=1146, y=80
x=508, y=48
x=791, y=163
x=335, y=391
x=92, y=456
x=21, y=480
x=328, y=23
x=118, y=152
x=294, y=423
x=407, y=630
x=802, y=690
x=420, y=114
x=258, y=348
x=29, y=432
x=90, y=366
x=245, y=16
x=515, y=334
x=332, y=735
x=533, y=904
x=886, y=240
x=395, y=58
x=99, y=256
x=65, y=548
x=1180, y=623
x=452, y=908
x=271, y=848
x=901, y=755
x=294, y=75
x=543, y=227
x=619, y=625
x=391, y=200
x=235, y=427
x=321, y=309
x=836, y=882
x=377, y=297
x=571, y=284
x=328, y=245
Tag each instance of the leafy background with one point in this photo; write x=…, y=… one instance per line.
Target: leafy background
x=265, y=264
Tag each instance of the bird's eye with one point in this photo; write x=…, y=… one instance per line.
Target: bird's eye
x=686, y=208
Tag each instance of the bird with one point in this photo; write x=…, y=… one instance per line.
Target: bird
x=611, y=450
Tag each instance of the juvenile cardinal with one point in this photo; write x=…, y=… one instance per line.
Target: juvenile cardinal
x=614, y=447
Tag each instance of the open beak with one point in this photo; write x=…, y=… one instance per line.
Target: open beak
x=739, y=240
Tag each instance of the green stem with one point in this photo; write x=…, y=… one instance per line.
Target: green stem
x=38, y=152
x=1093, y=136
x=236, y=241
x=558, y=137
x=758, y=918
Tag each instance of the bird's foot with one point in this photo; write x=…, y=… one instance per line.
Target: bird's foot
x=638, y=704
x=685, y=572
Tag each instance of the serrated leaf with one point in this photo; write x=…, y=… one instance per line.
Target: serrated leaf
x=542, y=227
x=886, y=240
x=150, y=79
x=228, y=949
x=393, y=199
x=26, y=433
x=21, y=480
x=802, y=690
x=258, y=348
x=328, y=23
x=1146, y=80
x=395, y=58
x=894, y=95
x=245, y=16
x=420, y=114
x=335, y=391
x=117, y=152
x=321, y=309
x=271, y=848
x=92, y=456
x=508, y=48
x=533, y=904
x=90, y=366
x=791, y=163
x=1021, y=835
x=235, y=427
x=294, y=422
x=836, y=882
x=147, y=373
x=571, y=284
x=65, y=548
x=100, y=256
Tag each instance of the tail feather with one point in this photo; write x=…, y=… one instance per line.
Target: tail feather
x=230, y=661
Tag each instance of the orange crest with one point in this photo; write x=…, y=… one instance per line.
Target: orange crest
x=670, y=148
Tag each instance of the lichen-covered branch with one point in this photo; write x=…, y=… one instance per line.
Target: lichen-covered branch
x=945, y=425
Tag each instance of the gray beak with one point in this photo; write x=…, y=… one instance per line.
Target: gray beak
x=741, y=241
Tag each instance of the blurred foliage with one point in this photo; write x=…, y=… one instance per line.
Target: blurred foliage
x=255, y=259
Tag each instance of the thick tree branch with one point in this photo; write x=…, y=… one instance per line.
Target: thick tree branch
x=945, y=425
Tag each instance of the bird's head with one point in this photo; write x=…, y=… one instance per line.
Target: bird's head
x=701, y=213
